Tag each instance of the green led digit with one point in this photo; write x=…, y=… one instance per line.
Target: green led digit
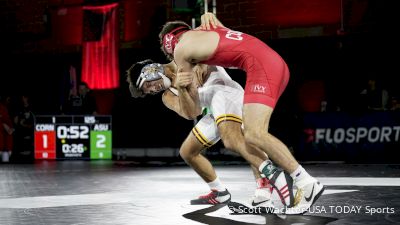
x=100, y=144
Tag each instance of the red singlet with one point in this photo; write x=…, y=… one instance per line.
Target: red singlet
x=267, y=73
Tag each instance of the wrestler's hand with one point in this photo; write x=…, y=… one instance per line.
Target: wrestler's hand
x=183, y=79
x=209, y=19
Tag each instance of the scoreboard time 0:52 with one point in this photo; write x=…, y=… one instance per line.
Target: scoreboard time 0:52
x=73, y=137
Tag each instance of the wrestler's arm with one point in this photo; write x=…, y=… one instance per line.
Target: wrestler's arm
x=189, y=101
x=187, y=89
x=186, y=103
x=171, y=101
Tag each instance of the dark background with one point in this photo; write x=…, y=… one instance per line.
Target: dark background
x=339, y=42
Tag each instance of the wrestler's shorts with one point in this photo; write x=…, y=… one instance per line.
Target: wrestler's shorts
x=226, y=105
x=267, y=75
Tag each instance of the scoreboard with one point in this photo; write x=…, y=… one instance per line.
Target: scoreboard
x=73, y=137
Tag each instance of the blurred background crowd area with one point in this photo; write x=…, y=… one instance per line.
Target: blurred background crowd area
x=65, y=57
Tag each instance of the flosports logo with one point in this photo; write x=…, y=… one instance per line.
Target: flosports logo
x=353, y=134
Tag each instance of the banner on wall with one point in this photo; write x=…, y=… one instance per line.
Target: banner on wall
x=369, y=137
x=100, y=67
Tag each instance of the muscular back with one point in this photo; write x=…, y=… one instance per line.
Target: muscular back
x=195, y=46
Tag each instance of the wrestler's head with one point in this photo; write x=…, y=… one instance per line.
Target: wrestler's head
x=169, y=36
x=146, y=77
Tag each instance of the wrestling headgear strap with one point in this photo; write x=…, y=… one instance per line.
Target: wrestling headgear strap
x=152, y=72
x=170, y=40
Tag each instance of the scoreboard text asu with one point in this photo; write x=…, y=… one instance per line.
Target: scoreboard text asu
x=73, y=137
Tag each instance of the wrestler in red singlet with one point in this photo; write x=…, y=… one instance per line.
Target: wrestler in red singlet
x=267, y=73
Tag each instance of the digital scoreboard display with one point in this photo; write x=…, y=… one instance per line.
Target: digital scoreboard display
x=73, y=137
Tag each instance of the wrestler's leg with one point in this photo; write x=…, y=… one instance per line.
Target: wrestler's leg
x=190, y=151
x=233, y=139
x=256, y=118
x=204, y=135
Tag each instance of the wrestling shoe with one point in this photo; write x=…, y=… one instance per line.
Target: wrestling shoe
x=282, y=184
x=261, y=198
x=261, y=208
x=213, y=198
x=306, y=196
x=259, y=203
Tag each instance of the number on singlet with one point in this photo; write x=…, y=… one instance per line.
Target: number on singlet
x=234, y=35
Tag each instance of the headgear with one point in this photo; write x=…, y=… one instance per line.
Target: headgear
x=170, y=40
x=152, y=72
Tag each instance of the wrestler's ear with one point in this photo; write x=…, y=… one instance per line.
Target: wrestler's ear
x=135, y=92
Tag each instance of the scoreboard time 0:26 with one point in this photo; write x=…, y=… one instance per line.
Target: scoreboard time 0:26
x=74, y=137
